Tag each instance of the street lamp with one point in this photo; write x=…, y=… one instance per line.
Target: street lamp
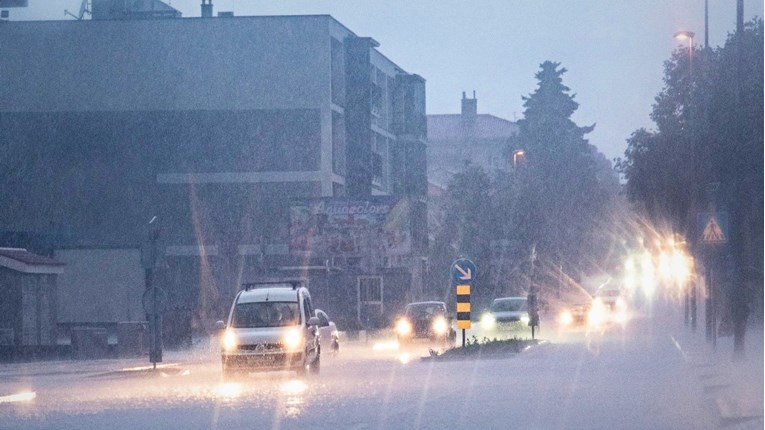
x=687, y=35
x=690, y=293
x=518, y=155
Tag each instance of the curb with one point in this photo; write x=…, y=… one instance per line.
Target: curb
x=165, y=370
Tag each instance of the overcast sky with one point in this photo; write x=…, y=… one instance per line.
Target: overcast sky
x=613, y=49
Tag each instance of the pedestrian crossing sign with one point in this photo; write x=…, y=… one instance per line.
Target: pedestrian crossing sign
x=713, y=227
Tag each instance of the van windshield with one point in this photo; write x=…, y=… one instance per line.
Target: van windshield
x=265, y=314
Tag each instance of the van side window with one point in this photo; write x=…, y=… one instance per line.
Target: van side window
x=308, y=308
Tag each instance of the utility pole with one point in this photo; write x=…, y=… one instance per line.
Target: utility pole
x=706, y=24
x=154, y=298
x=532, y=301
x=739, y=300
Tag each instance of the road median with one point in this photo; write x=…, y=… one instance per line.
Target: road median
x=476, y=349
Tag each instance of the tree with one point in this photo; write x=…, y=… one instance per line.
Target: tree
x=562, y=190
x=709, y=130
x=554, y=203
x=467, y=226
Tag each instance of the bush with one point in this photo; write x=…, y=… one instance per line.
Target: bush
x=490, y=347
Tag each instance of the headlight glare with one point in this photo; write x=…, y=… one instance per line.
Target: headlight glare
x=440, y=326
x=488, y=321
x=230, y=342
x=566, y=318
x=403, y=327
x=293, y=339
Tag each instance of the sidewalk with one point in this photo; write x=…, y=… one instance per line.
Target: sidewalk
x=732, y=385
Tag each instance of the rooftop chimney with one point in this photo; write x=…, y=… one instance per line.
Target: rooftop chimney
x=469, y=108
x=207, y=11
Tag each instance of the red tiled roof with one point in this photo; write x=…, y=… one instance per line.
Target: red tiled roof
x=457, y=127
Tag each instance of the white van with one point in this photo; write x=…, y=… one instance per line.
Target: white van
x=271, y=326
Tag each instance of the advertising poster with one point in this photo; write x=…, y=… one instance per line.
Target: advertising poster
x=378, y=226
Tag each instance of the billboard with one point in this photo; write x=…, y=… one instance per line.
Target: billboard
x=376, y=226
x=13, y=3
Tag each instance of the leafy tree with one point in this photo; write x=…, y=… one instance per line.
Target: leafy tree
x=709, y=130
x=467, y=227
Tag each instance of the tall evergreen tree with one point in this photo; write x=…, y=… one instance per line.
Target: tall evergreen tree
x=560, y=195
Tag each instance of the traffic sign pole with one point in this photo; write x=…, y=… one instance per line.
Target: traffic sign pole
x=463, y=274
x=154, y=298
x=463, y=309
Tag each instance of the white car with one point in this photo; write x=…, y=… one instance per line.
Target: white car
x=328, y=331
x=271, y=326
x=506, y=314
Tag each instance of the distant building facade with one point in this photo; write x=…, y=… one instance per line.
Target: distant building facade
x=454, y=140
x=222, y=128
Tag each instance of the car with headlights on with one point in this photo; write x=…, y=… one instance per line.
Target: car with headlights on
x=574, y=315
x=271, y=326
x=506, y=314
x=609, y=306
x=425, y=320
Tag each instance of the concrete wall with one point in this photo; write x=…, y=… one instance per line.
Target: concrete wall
x=178, y=64
x=100, y=286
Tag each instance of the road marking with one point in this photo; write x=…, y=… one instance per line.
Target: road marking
x=18, y=397
x=739, y=408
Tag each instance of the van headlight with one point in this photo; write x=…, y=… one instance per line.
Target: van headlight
x=597, y=314
x=440, y=326
x=566, y=318
x=403, y=327
x=525, y=319
x=293, y=339
x=230, y=341
x=488, y=321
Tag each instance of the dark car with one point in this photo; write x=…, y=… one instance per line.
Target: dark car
x=576, y=315
x=425, y=320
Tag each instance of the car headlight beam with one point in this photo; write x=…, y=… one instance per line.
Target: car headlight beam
x=488, y=321
x=403, y=327
x=566, y=318
x=230, y=341
x=293, y=339
x=440, y=326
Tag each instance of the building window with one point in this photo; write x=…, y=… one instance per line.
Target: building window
x=377, y=170
x=376, y=100
x=338, y=72
x=338, y=144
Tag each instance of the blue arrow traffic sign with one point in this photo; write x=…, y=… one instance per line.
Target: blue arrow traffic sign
x=463, y=271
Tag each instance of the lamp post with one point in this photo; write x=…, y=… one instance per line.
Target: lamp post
x=687, y=35
x=518, y=155
x=690, y=293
